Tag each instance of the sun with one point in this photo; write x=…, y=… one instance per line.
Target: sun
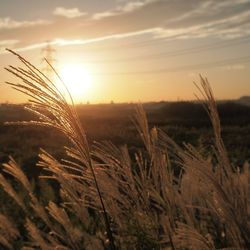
x=78, y=81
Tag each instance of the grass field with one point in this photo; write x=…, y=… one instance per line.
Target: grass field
x=123, y=176
x=183, y=121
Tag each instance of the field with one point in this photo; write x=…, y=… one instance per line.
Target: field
x=122, y=176
x=183, y=121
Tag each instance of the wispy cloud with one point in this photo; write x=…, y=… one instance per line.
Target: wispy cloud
x=125, y=8
x=104, y=14
x=8, y=42
x=67, y=42
x=64, y=42
x=185, y=19
x=170, y=20
x=68, y=13
x=132, y=6
x=8, y=23
x=230, y=27
x=233, y=67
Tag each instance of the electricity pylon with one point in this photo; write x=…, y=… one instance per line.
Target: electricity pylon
x=48, y=53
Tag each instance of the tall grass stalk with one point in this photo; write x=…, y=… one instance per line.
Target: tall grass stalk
x=50, y=105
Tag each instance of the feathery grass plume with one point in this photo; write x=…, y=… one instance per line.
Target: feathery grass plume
x=128, y=199
x=188, y=236
x=143, y=192
x=229, y=191
x=8, y=188
x=72, y=214
x=72, y=187
x=211, y=108
x=74, y=235
x=53, y=110
x=38, y=237
x=216, y=195
x=14, y=170
x=8, y=232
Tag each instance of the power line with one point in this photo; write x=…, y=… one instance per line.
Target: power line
x=137, y=44
x=192, y=50
x=149, y=42
x=213, y=64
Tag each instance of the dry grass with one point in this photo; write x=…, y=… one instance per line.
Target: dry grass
x=145, y=206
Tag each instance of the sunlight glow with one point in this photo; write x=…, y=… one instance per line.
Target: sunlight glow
x=78, y=81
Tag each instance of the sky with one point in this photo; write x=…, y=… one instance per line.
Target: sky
x=138, y=50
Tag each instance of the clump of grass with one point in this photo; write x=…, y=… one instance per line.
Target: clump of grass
x=145, y=205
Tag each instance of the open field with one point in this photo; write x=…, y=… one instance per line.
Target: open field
x=183, y=121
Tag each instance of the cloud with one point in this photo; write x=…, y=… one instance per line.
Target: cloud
x=229, y=27
x=8, y=42
x=68, y=13
x=168, y=19
x=132, y=6
x=63, y=42
x=104, y=14
x=66, y=42
x=233, y=67
x=8, y=23
x=180, y=19
x=125, y=8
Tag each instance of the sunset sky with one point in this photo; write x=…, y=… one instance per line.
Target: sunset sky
x=148, y=50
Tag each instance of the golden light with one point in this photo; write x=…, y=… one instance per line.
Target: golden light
x=78, y=81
